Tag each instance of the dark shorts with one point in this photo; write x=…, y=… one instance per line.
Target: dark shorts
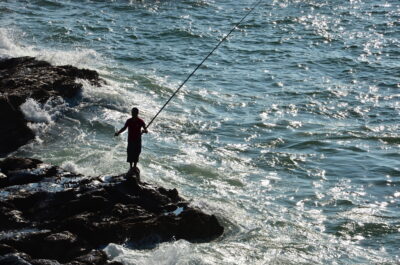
x=133, y=150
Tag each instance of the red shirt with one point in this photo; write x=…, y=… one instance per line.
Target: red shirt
x=134, y=128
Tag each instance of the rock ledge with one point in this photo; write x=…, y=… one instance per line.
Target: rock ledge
x=51, y=216
x=25, y=77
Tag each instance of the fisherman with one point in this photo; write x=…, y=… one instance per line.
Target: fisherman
x=134, y=125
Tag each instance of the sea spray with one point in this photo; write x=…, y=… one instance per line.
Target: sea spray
x=34, y=112
x=11, y=45
x=42, y=116
x=175, y=253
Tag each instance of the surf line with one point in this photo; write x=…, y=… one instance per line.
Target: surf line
x=201, y=63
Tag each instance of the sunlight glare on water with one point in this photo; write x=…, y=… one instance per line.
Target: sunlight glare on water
x=289, y=133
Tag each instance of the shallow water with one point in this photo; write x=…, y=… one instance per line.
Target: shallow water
x=289, y=133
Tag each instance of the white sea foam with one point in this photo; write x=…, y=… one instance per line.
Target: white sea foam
x=12, y=46
x=70, y=166
x=9, y=46
x=74, y=167
x=78, y=57
x=165, y=254
x=42, y=116
x=34, y=112
x=38, y=116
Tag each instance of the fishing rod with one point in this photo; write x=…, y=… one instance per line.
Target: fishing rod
x=201, y=63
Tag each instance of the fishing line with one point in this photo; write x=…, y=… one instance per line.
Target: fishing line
x=198, y=66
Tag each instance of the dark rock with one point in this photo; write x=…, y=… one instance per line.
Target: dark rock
x=13, y=259
x=16, y=163
x=66, y=218
x=25, y=77
x=6, y=249
x=95, y=257
x=13, y=129
x=11, y=218
x=3, y=180
x=27, y=242
x=17, y=173
x=44, y=262
x=133, y=174
x=172, y=194
x=87, y=202
x=195, y=224
x=62, y=246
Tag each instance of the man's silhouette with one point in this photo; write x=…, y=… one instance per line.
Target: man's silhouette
x=134, y=125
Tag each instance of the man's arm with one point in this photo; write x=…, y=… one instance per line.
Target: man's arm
x=144, y=128
x=122, y=129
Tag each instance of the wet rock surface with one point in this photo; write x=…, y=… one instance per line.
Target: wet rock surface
x=51, y=216
x=25, y=77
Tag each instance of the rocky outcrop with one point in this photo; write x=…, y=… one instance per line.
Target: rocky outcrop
x=25, y=77
x=51, y=216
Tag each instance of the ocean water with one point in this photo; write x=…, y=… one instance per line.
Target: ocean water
x=289, y=133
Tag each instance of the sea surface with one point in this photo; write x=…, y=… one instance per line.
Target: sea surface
x=289, y=133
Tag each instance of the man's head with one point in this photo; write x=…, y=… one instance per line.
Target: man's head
x=135, y=112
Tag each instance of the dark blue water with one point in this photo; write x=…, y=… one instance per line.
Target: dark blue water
x=289, y=133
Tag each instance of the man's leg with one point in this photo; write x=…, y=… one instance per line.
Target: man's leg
x=129, y=154
x=138, y=149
